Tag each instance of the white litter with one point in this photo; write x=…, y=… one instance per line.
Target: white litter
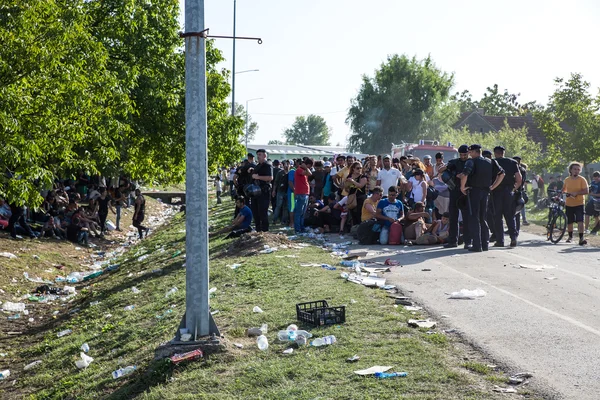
x=467, y=294
x=373, y=370
x=422, y=323
x=84, y=362
x=8, y=255
x=257, y=309
x=551, y=278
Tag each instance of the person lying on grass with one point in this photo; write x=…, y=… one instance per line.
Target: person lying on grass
x=241, y=223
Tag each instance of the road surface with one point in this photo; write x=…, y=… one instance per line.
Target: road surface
x=548, y=327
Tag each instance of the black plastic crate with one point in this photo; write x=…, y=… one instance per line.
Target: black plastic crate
x=319, y=313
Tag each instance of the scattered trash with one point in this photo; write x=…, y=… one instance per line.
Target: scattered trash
x=4, y=374
x=450, y=331
x=352, y=301
x=85, y=347
x=189, y=356
x=14, y=317
x=123, y=371
x=262, y=342
x=288, y=351
x=84, y=362
x=504, y=390
x=264, y=328
x=328, y=267
x=171, y=291
x=426, y=269
x=185, y=337
x=354, y=358
x=235, y=266
x=129, y=308
x=257, y=309
x=388, y=287
x=32, y=365
x=422, y=323
x=135, y=290
x=405, y=301
x=94, y=303
x=251, y=332
x=373, y=370
x=319, y=313
x=324, y=341
x=142, y=258
x=413, y=308
x=537, y=268
x=386, y=375
x=551, y=278
x=64, y=333
x=8, y=255
x=519, y=378
x=391, y=262
x=374, y=270
x=239, y=345
x=466, y=294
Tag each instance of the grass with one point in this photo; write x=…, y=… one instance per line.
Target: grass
x=375, y=330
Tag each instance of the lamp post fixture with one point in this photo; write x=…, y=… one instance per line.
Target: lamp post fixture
x=248, y=101
x=233, y=69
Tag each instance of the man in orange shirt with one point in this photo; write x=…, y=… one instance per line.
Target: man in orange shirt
x=428, y=166
x=575, y=187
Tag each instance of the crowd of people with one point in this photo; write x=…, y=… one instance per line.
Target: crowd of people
x=472, y=200
x=75, y=210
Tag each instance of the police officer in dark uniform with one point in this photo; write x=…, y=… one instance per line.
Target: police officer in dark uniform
x=262, y=174
x=519, y=188
x=503, y=198
x=489, y=217
x=455, y=168
x=480, y=175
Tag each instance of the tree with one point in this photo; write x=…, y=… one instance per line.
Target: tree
x=311, y=130
x=240, y=111
x=515, y=141
x=571, y=123
x=275, y=142
x=401, y=102
x=494, y=103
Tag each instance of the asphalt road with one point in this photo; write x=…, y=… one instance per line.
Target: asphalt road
x=550, y=328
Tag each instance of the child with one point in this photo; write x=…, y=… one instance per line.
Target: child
x=219, y=186
x=341, y=205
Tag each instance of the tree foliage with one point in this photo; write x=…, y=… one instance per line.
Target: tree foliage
x=99, y=85
x=494, y=103
x=515, y=141
x=571, y=123
x=310, y=130
x=240, y=111
x=405, y=100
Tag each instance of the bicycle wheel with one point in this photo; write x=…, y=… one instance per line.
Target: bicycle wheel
x=558, y=226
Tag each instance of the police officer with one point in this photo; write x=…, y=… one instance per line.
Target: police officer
x=520, y=188
x=503, y=199
x=262, y=174
x=455, y=168
x=489, y=217
x=480, y=175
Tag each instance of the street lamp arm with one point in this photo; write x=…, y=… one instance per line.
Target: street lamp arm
x=205, y=35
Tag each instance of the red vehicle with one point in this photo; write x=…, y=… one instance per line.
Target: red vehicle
x=424, y=148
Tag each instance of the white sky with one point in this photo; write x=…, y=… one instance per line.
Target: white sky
x=314, y=52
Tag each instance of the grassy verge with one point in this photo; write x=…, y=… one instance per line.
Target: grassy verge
x=375, y=330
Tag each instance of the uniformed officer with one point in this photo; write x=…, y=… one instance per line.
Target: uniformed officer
x=521, y=187
x=455, y=168
x=503, y=199
x=480, y=175
x=489, y=216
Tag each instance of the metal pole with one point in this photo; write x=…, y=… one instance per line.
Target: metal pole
x=233, y=69
x=197, y=318
x=246, y=127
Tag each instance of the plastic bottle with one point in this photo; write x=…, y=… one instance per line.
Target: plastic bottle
x=347, y=263
x=60, y=279
x=64, y=333
x=135, y=290
x=15, y=307
x=129, y=308
x=385, y=375
x=32, y=365
x=4, y=374
x=123, y=371
x=286, y=336
x=262, y=342
x=292, y=327
x=13, y=317
x=324, y=341
x=264, y=328
x=85, y=347
x=171, y=291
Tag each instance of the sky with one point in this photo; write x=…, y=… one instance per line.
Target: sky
x=315, y=52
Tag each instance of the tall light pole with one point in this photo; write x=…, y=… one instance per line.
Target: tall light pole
x=233, y=69
x=248, y=101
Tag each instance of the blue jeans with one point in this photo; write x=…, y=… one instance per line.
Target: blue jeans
x=118, y=209
x=281, y=208
x=299, y=211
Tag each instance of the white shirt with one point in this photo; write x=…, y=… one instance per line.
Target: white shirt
x=388, y=178
x=417, y=189
x=534, y=184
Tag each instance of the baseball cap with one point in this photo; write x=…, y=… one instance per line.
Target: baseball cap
x=326, y=164
x=387, y=156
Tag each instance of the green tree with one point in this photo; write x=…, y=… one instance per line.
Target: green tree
x=494, y=102
x=571, y=123
x=515, y=141
x=405, y=100
x=240, y=111
x=311, y=130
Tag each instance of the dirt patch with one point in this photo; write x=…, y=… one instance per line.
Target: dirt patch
x=251, y=243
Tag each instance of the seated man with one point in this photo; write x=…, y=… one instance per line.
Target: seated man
x=440, y=228
x=241, y=223
x=389, y=211
x=329, y=215
x=311, y=218
x=415, y=224
x=50, y=228
x=369, y=208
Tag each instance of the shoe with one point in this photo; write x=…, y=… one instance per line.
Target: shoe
x=525, y=223
x=475, y=250
x=582, y=242
x=498, y=244
x=450, y=245
x=467, y=246
x=513, y=243
x=587, y=232
x=485, y=248
x=493, y=238
x=569, y=240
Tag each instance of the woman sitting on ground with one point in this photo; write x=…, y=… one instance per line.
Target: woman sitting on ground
x=415, y=224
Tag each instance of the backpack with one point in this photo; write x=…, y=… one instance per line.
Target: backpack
x=365, y=233
x=432, y=194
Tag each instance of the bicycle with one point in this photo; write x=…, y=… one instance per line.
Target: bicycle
x=557, y=220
